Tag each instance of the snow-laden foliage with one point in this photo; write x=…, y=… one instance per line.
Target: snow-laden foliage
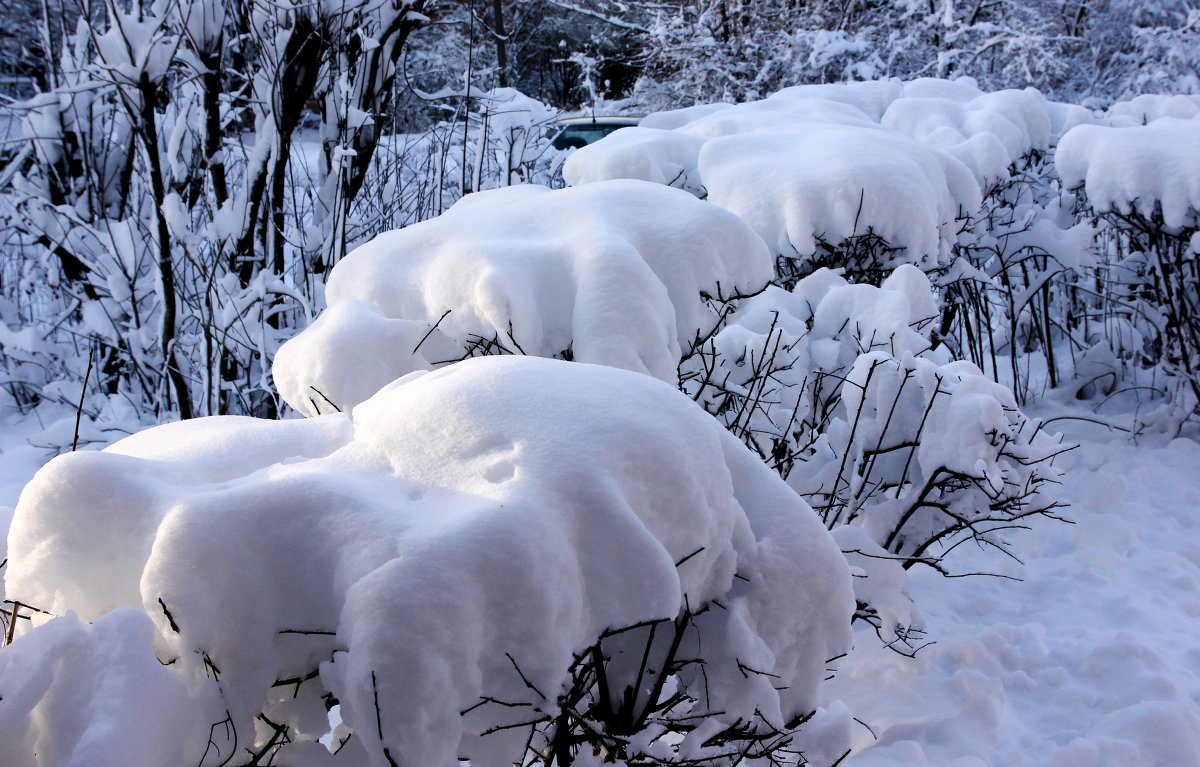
x=1034, y=281
x=1140, y=187
x=168, y=219
x=509, y=553
x=739, y=50
x=836, y=386
x=1143, y=170
x=625, y=273
x=812, y=172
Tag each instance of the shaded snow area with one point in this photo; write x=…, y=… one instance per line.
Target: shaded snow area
x=1092, y=660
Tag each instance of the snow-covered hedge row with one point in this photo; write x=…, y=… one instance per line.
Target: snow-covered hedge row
x=817, y=168
x=507, y=553
x=1038, y=277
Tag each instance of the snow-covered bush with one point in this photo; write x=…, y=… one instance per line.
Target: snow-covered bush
x=811, y=170
x=623, y=273
x=836, y=386
x=485, y=139
x=1006, y=295
x=176, y=203
x=1139, y=185
x=507, y=558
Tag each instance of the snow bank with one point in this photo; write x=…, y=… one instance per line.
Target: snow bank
x=459, y=537
x=614, y=274
x=1135, y=168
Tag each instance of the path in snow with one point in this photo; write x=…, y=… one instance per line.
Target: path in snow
x=1093, y=660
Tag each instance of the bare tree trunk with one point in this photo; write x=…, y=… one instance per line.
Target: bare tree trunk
x=501, y=36
x=148, y=129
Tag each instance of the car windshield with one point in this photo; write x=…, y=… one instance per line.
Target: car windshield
x=582, y=135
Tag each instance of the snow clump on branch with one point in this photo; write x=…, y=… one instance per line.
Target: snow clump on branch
x=839, y=388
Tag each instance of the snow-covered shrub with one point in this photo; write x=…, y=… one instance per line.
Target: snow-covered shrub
x=1011, y=300
x=836, y=386
x=811, y=170
x=623, y=273
x=505, y=558
x=1140, y=187
x=1007, y=295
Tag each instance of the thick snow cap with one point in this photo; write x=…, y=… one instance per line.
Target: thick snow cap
x=497, y=513
x=1134, y=168
x=613, y=274
x=813, y=163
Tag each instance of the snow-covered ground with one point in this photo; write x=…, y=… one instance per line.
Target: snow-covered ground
x=1091, y=660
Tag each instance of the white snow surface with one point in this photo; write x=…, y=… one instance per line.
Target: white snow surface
x=500, y=505
x=1134, y=168
x=987, y=133
x=613, y=273
x=1091, y=660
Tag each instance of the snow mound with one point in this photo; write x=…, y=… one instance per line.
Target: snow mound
x=675, y=118
x=665, y=147
x=871, y=97
x=615, y=274
x=958, y=89
x=1132, y=169
x=658, y=155
x=459, y=538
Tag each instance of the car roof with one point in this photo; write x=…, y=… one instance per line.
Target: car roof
x=598, y=119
